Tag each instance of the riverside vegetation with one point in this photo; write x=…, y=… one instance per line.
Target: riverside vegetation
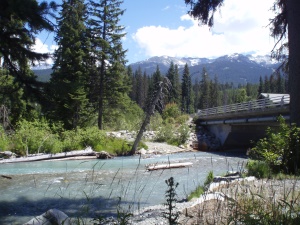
x=40, y=136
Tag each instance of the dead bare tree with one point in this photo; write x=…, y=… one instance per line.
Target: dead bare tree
x=4, y=120
x=163, y=88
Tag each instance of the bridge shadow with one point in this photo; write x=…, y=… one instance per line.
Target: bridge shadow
x=23, y=209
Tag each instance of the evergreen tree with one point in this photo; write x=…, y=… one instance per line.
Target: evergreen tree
x=205, y=88
x=196, y=94
x=214, y=87
x=69, y=79
x=261, y=86
x=186, y=91
x=106, y=40
x=173, y=76
x=267, y=85
x=20, y=22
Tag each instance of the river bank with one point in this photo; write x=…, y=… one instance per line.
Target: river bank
x=154, y=148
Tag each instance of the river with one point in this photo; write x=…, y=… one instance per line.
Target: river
x=89, y=188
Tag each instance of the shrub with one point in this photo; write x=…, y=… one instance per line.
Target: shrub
x=156, y=122
x=171, y=111
x=202, y=188
x=259, y=169
x=4, y=140
x=279, y=149
x=182, y=119
x=30, y=136
x=165, y=133
x=115, y=146
x=196, y=193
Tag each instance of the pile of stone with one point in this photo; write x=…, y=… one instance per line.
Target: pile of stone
x=7, y=155
x=131, y=135
x=207, y=141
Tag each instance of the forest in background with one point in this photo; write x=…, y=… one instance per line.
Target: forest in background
x=90, y=86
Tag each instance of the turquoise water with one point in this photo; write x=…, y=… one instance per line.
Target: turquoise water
x=88, y=188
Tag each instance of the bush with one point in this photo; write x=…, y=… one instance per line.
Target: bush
x=171, y=111
x=182, y=119
x=279, y=149
x=115, y=146
x=156, y=122
x=165, y=133
x=4, y=140
x=202, y=188
x=30, y=136
x=259, y=169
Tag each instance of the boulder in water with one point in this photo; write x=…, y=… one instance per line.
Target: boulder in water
x=104, y=155
x=51, y=217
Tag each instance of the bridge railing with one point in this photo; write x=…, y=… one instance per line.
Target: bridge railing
x=260, y=104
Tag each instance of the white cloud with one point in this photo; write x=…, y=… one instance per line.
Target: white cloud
x=44, y=48
x=240, y=27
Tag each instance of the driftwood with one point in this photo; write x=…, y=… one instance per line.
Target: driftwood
x=87, y=152
x=167, y=166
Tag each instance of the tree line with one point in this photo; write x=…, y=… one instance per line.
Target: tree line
x=90, y=83
x=199, y=90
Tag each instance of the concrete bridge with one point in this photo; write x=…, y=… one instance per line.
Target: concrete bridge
x=236, y=125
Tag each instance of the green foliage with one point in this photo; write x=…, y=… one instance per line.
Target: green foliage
x=126, y=116
x=182, y=119
x=182, y=134
x=279, y=149
x=4, y=140
x=196, y=193
x=171, y=201
x=164, y=134
x=156, y=122
x=259, y=169
x=30, y=136
x=114, y=146
x=209, y=178
x=202, y=188
x=171, y=111
x=173, y=135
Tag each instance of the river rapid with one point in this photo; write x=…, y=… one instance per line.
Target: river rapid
x=89, y=188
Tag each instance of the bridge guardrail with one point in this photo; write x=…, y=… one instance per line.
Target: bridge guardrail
x=260, y=104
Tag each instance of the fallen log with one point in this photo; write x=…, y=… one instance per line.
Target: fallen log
x=7, y=177
x=69, y=155
x=167, y=166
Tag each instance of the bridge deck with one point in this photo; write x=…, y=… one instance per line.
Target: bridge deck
x=262, y=107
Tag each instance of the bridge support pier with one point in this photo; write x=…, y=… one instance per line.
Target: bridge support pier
x=239, y=136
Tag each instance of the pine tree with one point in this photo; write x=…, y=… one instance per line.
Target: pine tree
x=196, y=94
x=214, y=87
x=186, y=91
x=205, y=89
x=69, y=79
x=106, y=40
x=20, y=22
x=173, y=77
x=267, y=88
x=261, y=86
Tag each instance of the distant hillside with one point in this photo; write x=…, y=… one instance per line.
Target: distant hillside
x=43, y=74
x=235, y=68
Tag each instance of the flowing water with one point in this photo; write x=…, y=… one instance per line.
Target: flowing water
x=88, y=188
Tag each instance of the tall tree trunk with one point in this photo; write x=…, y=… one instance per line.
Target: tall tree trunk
x=293, y=16
x=150, y=112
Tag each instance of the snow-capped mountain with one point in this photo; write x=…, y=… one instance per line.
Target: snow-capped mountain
x=236, y=68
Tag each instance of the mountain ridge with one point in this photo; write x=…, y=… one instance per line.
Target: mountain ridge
x=235, y=68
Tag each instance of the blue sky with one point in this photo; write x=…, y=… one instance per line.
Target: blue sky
x=162, y=27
